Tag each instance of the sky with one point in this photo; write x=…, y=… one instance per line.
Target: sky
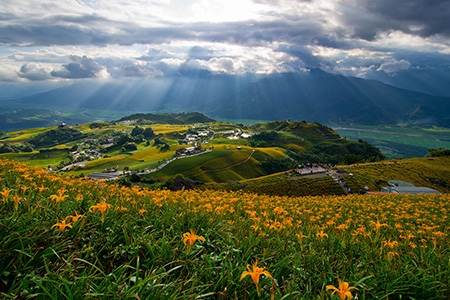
x=68, y=40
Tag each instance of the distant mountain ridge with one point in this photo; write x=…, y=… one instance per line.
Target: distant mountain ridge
x=314, y=96
x=179, y=119
x=335, y=99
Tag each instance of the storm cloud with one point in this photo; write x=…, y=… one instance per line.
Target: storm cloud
x=99, y=39
x=81, y=67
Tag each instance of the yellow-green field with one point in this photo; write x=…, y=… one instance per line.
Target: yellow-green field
x=418, y=171
x=25, y=134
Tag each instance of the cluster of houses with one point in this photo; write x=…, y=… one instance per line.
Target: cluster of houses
x=238, y=134
x=202, y=136
x=92, y=154
x=188, y=151
x=128, y=122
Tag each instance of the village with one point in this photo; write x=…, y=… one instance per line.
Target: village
x=196, y=139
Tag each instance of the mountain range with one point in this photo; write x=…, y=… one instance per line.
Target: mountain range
x=314, y=96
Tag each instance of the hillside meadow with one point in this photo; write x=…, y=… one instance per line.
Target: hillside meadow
x=432, y=172
x=71, y=238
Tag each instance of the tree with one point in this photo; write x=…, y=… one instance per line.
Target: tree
x=439, y=152
x=164, y=146
x=129, y=147
x=148, y=133
x=6, y=148
x=137, y=131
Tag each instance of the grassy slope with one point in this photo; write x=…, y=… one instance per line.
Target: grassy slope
x=281, y=185
x=313, y=132
x=414, y=170
x=24, y=134
x=37, y=159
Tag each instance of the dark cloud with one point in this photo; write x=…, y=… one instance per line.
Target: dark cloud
x=86, y=19
x=304, y=54
x=6, y=16
x=426, y=18
x=34, y=72
x=47, y=35
x=278, y=2
x=81, y=67
x=78, y=30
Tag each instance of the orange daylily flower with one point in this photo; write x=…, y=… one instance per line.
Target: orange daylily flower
x=59, y=197
x=255, y=274
x=343, y=291
x=189, y=238
x=378, y=225
x=322, y=235
x=390, y=244
x=62, y=225
x=300, y=237
x=16, y=200
x=101, y=207
x=5, y=194
x=392, y=254
x=75, y=218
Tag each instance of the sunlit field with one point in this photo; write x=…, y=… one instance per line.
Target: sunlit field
x=71, y=238
x=418, y=171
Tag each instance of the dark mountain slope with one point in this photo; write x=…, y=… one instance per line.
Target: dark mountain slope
x=331, y=98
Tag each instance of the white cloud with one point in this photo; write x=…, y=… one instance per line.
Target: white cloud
x=394, y=66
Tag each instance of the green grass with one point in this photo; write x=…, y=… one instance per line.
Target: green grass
x=238, y=142
x=186, y=165
x=120, y=164
x=37, y=159
x=218, y=165
x=23, y=134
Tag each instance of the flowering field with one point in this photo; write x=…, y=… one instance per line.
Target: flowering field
x=63, y=237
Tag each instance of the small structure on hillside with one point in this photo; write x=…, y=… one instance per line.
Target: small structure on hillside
x=188, y=151
x=403, y=187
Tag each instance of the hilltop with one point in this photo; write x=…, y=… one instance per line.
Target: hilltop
x=180, y=118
